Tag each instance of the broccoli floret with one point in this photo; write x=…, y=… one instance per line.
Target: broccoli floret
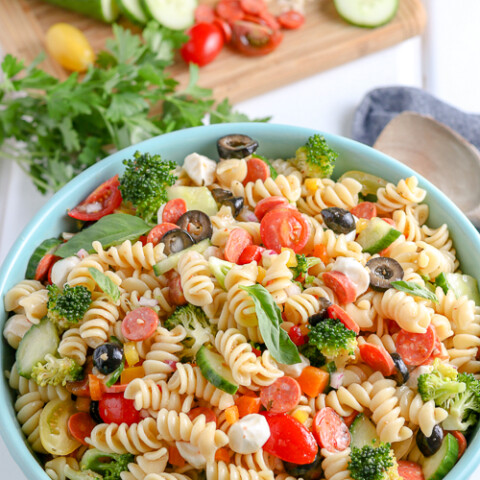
x=301, y=269
x=315, y=158
x=440, y=384
x=144, y=184
x=373, y=463
x=329, y=340
x=66, y=308
x=199, y=330
x=109, y=465
x=56, y=371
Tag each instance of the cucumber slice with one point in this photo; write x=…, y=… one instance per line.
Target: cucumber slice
x=196, y=198
x=103, y=10
x=171, y=262
x=38, y=341
x=174, y=14
x=439, y=464
x=377, y=236
x=219, y=268
x=47, y=246
x=363, y=432
x=215, y=370
x=133, y=10
x=460, y=284
x=367, y=13
x=370, y=183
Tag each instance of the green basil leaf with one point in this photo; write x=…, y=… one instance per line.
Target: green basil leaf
x=276, y=339
x=109, y=230
x=413, y=289
x=106, y=284
x=115, y=375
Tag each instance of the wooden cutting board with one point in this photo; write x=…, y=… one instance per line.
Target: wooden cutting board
x=325, y=41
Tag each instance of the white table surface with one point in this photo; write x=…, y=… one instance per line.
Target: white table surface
x=445, y=61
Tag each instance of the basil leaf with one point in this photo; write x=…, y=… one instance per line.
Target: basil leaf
x=276, y=339
x=109, y=230
x=106, y=284
x=115, y=375
x=413, y=289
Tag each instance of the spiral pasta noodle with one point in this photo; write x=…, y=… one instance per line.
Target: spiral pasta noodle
x=158, y=299
x=335, y=464
x=18, y=292
x=223, y=471
x=395, y=197
x=231, y=170
x=55, y=468
x=73, y=346
x=35, y=305
x=151, y=462
x=29, y=407
x=80, y=274
x=15, y=329
x=278, y=277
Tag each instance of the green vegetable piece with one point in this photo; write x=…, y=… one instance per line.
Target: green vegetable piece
x=303, y=264
x=219, y=268
x=413, y=288
x=276, y=339
x=438, y=465
x=103, y=10
x=460, y=284
x=73, y=474
x=106, y=284
x=66, y=308
x=133, y=10
x=370, y=183
x=109, y=230
x=273, y=172
x=115, y=375
x=47, y=246
x=196, y=198
x=373, y=463
x=56, y=371
x=109, y=465
x=363, y=432
x=363, y=13
x=377, y=236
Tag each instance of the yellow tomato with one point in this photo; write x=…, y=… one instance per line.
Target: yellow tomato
x=69, y=47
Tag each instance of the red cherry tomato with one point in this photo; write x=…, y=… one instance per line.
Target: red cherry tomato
x=266, y=18
x=208, y=412
x=343, y=287
x=390, y=221
x=296, y=336
x=44, y=266
x=269, y=203
x=229, y=10
x=117, y=388
x=157, y=232
x=284, y=227
x=336, y=312
x=175, y=288
x=366, y=210
x=291, y=19
x=377, y=357
x=115, y=408
x=225, y=28
x=462, y=442
x=349, y=420
x=80, y=425
x=415, y=348
x=250, y=253
x=330, y=430
x=281, y=396
x=289, y=439
x=205, y=43
x=238, y=240
x=139, y=324
x=253, y=7
x=102, y=201
x=173, y=210
x=410, y=470
x=257, y=169
x=253, y=39
x=204, y=13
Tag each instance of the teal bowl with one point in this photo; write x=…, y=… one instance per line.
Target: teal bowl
x=275, y=141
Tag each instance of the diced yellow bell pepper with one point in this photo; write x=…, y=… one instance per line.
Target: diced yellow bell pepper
x=261, y=274
x=300, y=415
x=131, y=373
x=131, y=354
x=361, y=224
x=292, y=261
x=312, y=184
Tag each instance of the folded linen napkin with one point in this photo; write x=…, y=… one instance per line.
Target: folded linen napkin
x=382, y=104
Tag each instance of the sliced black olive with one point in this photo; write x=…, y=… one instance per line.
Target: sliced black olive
x=311, y=471
x=176, y=240
x=197, y=224
x=401, y=375
x=236, y=204
x=322, y=314
x=108, y=357
x=430, y=445
x=94, y=411
x=338, y=219
x=220, y=195
x=236, y=146
x=384, y=271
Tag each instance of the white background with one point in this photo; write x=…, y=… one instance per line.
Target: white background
x=445, y=62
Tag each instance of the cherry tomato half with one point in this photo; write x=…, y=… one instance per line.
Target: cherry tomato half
x=157, y=232
x=250, y=253
x=291, y=19
x=238, y=240
x=115, y=408
x=253, y=39
x=269, y=203
x=205, y=43
x=102, y=201
x=208, y=412
x=257, y=169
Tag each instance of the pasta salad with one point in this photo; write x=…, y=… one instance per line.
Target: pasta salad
x=246, y=318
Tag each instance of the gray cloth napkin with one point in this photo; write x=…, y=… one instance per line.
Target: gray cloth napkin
x=382, y=104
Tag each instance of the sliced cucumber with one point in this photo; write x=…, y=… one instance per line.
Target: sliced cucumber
x=103, y=10
x=174, y=14
x=196, y=198
x=363, y=432
x=38, y=341
x=377, y=236
x=439, y=464
x=367, y=13
x=47, y=246
x=219, y=268
x=133, y=10
x=215, y=370
x=370, y=183
x=171, y=262
x=460, y=284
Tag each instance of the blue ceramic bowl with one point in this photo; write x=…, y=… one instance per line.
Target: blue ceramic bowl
x=275, y=141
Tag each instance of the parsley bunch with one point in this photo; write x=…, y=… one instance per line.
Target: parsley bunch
x=55, y=129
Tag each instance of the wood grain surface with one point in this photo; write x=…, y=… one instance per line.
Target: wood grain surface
x=325, y=41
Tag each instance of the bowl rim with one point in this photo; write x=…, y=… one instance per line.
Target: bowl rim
x=9, y=428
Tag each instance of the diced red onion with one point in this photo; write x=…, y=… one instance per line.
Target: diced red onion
x=82, y=253
x=147, y=302
x=336, y=380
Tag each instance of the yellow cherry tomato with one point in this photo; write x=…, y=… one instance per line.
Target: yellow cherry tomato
x=69, y=47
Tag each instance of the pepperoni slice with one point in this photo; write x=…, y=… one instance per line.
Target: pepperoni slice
x=257, y=169
x=415, y=348
x=204, y=13
x=44, y=267
x=230, y=11
x=291, y=19
x=410, y=470
x=139, y=324
x=338, y=313
x=330, y=430
x=366, y=210
x=343, y=287
x=251, y=253
x=462, y=442
x=269, y=203
x=80, y=425
x=253, y=7
x=208, y=412
x=173, y=210
x=238, y=240
x=156, y=233
x=175, y=289
x=377, y=357
x=349, y=420
x=281, y=396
